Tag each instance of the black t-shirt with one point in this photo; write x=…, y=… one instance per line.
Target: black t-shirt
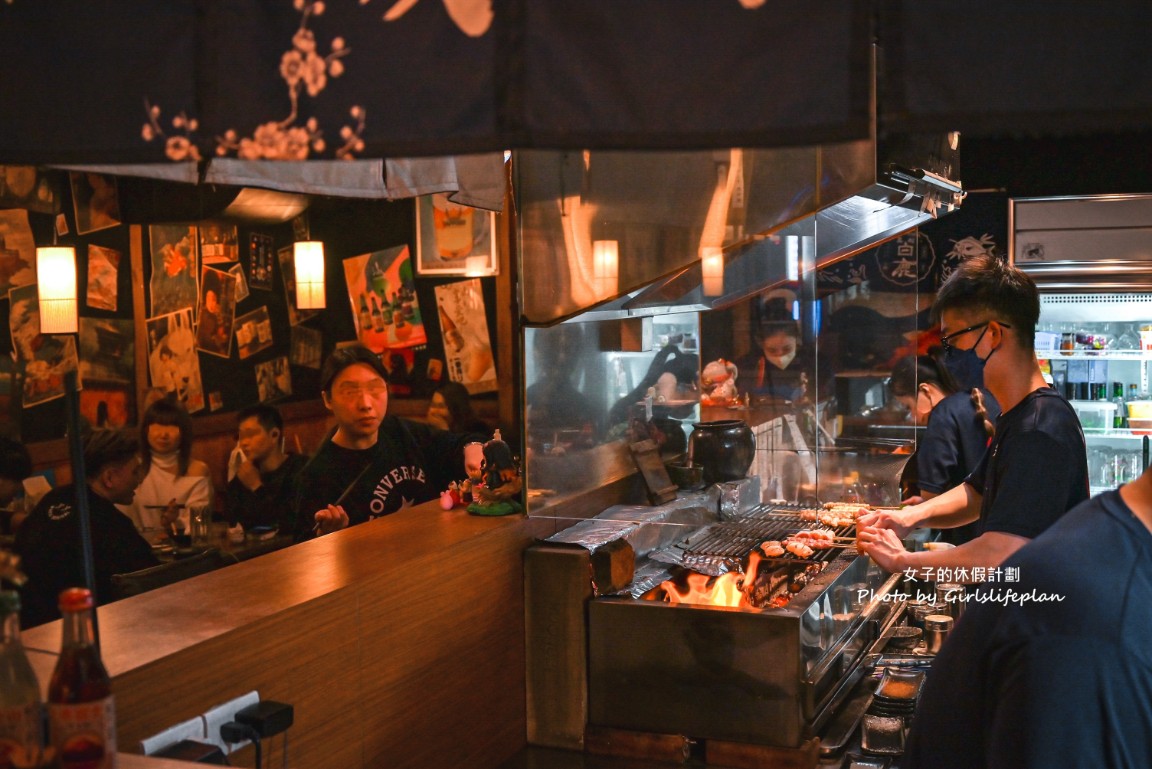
x=1050, y=683
x=1036, y=468
x=271, y=503
x=48, y=543
x=953, y=443
x=410, y=463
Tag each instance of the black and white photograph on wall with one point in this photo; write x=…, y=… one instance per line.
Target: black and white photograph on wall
x=261, y=255
x=30, y=188
x=218, y=243
x=241, y=282
x=454, y=239
x=306, y=348
x=288, y=274
x=217, y=312
x=173, y=364
x=464, y=329
x=95, y=202
x=17, y=250
x=45, y=358
x=253, y=332
x=103, y=273
x=273, y=379
x=107, y=358
x=174, y=268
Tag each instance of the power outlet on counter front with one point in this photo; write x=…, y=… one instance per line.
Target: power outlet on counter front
x=222, y=714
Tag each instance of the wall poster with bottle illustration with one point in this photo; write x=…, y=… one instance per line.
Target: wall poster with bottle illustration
x=382, y=291
x=464, y=329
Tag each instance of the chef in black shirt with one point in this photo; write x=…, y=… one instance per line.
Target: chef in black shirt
x=1036, y=467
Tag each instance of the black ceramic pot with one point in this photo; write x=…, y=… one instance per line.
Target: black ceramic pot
x=725, y=449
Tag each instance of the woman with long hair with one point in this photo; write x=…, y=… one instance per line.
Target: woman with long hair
x=175, y=483
x=958, y=426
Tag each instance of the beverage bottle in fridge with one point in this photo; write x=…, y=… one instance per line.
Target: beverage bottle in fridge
x=81, y=709
x=21, y=717
x=1120, y=417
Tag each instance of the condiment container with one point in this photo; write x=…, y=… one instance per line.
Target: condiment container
x=936, y=629
x=950, y=595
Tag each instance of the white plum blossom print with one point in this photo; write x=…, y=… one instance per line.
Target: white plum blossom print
x=303, y=68
x=176, y=147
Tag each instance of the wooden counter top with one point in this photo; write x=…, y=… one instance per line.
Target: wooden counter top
x=399, y=642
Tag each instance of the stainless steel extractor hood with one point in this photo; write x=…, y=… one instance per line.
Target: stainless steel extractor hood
x=765, y=215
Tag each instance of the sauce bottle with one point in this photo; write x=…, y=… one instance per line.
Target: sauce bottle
x=81, y=710
x=21, y=734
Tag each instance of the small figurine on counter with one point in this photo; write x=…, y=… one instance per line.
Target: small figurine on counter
x=502, y=482
x=718, y=381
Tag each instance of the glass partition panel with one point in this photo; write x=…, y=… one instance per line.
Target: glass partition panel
x=594, y=388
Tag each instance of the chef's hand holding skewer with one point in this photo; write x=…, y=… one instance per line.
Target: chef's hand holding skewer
x=883, y=546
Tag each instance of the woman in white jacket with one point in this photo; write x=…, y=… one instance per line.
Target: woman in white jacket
x=175, y=483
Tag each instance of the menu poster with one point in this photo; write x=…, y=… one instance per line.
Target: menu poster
x=273, y=379
x=454, y=239
x=253, y=332
x=464, y=329
x=17, y=250
x=103, y=271
x=306, y=347
x=218, y=242
x=382, y=291
x=174, y=268
x=45, y=358
x=107, y=361
x=260, y=257
x=173, y=363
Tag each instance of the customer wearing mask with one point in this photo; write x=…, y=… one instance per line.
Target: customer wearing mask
x=1036, y=467
x=959, y=425
x=777, y=369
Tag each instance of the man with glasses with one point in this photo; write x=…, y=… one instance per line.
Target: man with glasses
x=1035, y=468
x=372, y=464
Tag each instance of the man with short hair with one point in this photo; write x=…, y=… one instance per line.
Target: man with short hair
x=262, y=492
x=372, y=464
x=1035, y=468
x=48, y=542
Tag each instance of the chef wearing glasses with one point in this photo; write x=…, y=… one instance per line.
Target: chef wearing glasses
x=1035, y=468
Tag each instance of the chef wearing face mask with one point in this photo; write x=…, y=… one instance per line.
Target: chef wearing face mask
x=1035, y=468
x=775, y=370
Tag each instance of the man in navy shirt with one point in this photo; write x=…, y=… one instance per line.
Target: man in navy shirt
x=1050, y=665
x=1036, y=467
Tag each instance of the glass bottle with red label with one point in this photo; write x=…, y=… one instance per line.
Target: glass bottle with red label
x=21, y=733
x=81, y=710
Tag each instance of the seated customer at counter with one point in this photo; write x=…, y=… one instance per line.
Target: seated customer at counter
x=175, y=481
x=263, y=490
x=1063, y=679
x=372, y=464
x=48, y=542
x=1035, y=469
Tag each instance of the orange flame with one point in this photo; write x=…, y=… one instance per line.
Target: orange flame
x=731, y=589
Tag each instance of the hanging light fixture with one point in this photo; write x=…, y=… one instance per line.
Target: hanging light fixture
x=606, y=264
x=308, y=256
x=56, y=289
x=712, y=266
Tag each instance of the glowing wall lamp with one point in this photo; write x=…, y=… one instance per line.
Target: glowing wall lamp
x=56, y=286
x=606, y=264
x=308, y=256
x=712, y=266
